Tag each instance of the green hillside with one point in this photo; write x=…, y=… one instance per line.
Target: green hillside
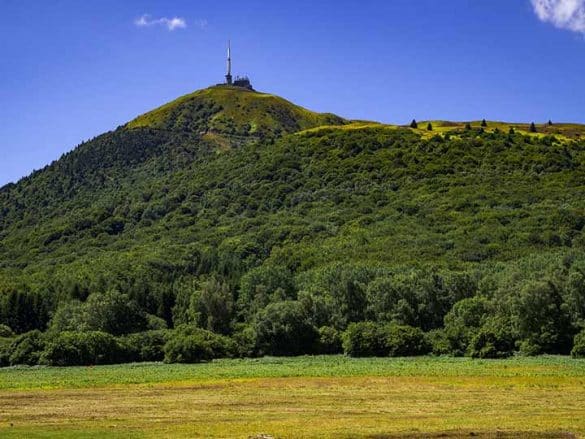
x=279, y=229
x=224, y=111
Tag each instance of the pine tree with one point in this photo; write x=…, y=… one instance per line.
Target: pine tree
x=532, y=128
x=414, y=124
x=430, y=127
x=484, y=123
x=550, y=123
x=468, y=126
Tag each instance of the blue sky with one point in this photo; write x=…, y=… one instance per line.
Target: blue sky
x=73, y=69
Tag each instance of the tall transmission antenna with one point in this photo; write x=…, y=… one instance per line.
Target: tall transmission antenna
x=228, y=77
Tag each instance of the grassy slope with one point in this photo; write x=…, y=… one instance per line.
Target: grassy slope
x=296, y=397
x=246, y=111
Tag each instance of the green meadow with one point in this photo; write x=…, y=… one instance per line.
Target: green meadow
x=308, y=397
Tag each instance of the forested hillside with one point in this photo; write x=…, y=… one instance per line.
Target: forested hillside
x=232, y=223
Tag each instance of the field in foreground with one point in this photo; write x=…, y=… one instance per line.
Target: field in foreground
x=299, y=397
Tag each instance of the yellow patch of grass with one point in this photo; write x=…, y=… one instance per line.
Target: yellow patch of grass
x=304, y=407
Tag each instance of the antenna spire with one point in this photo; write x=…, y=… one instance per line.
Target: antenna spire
x=228, y=76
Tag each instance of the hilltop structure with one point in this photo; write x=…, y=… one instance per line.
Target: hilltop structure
x=240, y=81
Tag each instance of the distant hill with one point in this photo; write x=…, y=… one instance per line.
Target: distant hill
x=272, y=199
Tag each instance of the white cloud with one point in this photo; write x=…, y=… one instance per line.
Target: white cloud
x=171, y=23
x=564, y=14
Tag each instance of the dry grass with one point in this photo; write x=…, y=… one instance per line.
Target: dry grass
x=511, y=397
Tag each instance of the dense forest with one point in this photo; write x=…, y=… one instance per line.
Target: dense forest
x=233, y=223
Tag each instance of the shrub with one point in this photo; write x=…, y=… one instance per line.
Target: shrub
x=283, y=328
x=414, y=124
x=111, y=312
x=145, y=346
x=26, y=348
x=368, y=339
x=579, y=345
x=329, y=341
x=82, y=349
x=263, y=285
x=463, y=321
x=5, y=352
x=543, y=319
x=195, y=345
x=245, y=341
x=155, y=323
x=430, y=127
x=363, y=339
x=484, y=123
x=532, y=128
x=439, y=342
x=5, y=331
x=493, y=340
x=115, y=313
x=404, y=341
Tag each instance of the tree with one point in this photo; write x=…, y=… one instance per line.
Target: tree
x=262, y=285
x=493, y=340
x=27, y=348
x=463, y=321
x=484, y=123
x=543, y=319
x=194, y=345
x=550, y=123
x=330, y=341
x=414, y=124
x=532, y=128
x=369, y=339
x=511, y=131
x=404, y=341
x=363, y=339
x=283, y=328
x=578, y=350
x=216, y=306
x=110, y=312
x=82, y=349
x=430, y=127
x=468, y=126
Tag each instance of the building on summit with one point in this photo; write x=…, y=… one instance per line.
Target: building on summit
x=240, y=81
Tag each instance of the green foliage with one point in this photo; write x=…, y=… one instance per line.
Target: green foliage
x=493, y=340
x=283, y=328
x=145, y=346
x=5, y=331
x=81, y=349
x=363, y=339
x=111, y=312
x=367, y=339
x=218, y=211
x=330, y=341
x=413, y=124
x=27, y=348
x=463, y=321
x=195, y=345
x=578, y=350
x=543, y=319
x=439, y=342
x=404, y=341
x=262, y=285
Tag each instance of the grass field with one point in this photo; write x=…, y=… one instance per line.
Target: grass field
x=299, y=397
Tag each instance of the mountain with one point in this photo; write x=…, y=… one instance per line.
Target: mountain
x=277, y=203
